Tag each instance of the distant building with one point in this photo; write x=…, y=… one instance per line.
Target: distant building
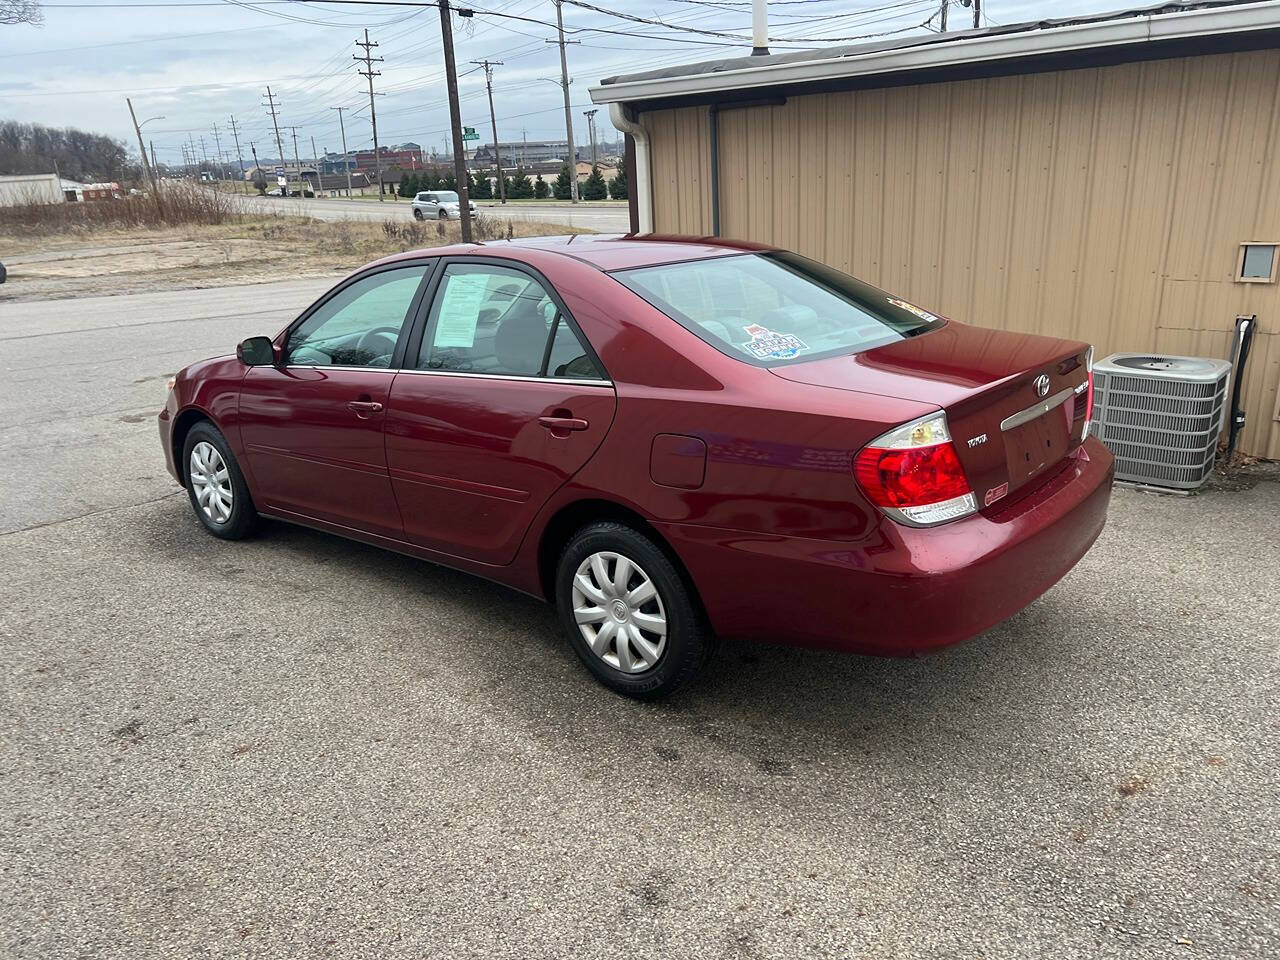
x=30, y=188
x=525, y=153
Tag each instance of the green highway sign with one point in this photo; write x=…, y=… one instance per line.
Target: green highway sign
x=469, y=133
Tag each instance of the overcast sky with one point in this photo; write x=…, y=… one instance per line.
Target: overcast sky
x=197, y=62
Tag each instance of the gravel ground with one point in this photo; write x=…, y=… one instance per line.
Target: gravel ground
x=301, y=747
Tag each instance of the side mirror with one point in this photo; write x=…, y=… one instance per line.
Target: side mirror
x=256, y=352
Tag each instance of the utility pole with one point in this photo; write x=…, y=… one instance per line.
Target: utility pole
x=369, y=73
x=217, y=142
x=591, y=130
x=455, y=121
x=568, y=116
x=346, y=160
x=945, y=4
x=977, y=13
x=149, y=168
x=497, y=157
x=315, y=161
x=257, y=167
x=204, y=154
x=154, y=166
x=298, y=163
x=271, y=109
x=239, y=156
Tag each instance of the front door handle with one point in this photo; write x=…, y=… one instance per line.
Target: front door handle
x=560, y=426
x=362, y=408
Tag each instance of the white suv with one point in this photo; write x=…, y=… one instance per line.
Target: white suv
x=438, y=205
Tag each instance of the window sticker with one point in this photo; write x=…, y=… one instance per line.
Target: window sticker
x=766, y=344
x=460, y=310
x=912, y=308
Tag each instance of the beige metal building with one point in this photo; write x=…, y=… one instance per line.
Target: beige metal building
x=1098, y=177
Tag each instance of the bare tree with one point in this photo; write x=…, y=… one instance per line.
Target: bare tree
x=21, y=11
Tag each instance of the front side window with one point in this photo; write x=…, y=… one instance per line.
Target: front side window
x=360, y=325
x=495, y=320
x=774, y=308
x=445, y=196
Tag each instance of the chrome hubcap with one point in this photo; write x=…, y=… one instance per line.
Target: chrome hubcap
x=619, y=612
x=211, y=482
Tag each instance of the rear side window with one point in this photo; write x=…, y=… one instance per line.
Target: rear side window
x=495, y=320
x=775, y=308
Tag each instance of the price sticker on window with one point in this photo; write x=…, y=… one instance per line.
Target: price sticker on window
x=460, y=310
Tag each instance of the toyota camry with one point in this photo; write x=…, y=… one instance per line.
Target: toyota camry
x=671, y=439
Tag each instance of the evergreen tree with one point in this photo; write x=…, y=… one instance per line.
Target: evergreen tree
x=481, y=189
x=594, y=188
x=449, y=183
x=540, y=189
x=408, y=184
x=562, y=188
x=521, y=186
x=618, y=188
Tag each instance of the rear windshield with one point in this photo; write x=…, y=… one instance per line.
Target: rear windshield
x=775, y=308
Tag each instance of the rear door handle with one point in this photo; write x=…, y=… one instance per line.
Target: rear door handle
x=558, y=424
x=362, y=408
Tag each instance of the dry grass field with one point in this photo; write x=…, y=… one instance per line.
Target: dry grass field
x=127, y=246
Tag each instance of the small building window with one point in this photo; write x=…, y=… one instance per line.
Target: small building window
x=1257, y=263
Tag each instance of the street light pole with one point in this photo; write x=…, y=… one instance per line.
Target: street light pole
x=137, y=128
x=346, y=160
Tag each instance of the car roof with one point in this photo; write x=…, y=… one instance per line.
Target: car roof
x=603, y=251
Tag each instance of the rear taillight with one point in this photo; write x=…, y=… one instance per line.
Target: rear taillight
x=913, y=474
x=1088, y=404
x=1087, y=388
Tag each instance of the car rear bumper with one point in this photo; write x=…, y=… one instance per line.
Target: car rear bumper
x=900, y=591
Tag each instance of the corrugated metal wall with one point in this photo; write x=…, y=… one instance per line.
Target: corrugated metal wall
x=1104, y=203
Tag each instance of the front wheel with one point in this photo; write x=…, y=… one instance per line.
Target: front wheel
x=417, y=214
x=629, y=614
x=443, y=215
x=215, y=485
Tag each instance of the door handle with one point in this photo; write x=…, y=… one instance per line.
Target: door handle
x=563, y=424
x=362, y=408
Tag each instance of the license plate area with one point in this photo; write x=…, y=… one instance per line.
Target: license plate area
x=1035, y=445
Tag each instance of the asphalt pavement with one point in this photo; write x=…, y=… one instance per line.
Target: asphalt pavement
x=297, y=746
x=601, y=218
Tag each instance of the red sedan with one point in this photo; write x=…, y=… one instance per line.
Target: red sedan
x=671, y=439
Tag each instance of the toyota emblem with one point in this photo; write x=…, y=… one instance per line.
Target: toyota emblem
x=1042, y=385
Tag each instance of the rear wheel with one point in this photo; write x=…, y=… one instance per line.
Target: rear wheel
x=629, y=614
x=215, y=485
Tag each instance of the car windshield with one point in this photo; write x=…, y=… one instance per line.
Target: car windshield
x=774, y=308
x=447, y=196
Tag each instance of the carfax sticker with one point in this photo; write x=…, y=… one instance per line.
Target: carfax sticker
x=912, y=308
x=994, y=494
x=766, y=344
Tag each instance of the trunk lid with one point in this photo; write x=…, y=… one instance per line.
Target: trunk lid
x=1010, y=431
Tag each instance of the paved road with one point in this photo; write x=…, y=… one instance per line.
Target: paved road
x=300, y=747
x=604, y=219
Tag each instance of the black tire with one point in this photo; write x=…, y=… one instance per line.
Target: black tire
x=417, y=214
x=442, y=216
x=688, y=640
x=243, y=519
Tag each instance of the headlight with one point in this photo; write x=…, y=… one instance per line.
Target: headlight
x=171, y=383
